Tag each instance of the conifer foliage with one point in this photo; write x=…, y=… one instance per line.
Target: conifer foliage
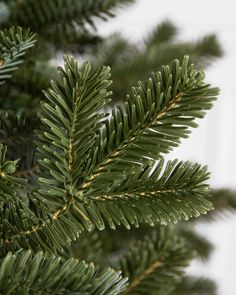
x=73, y=175
x=98, y=171
x=13, y=45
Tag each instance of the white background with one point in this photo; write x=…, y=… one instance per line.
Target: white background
x=214, y=142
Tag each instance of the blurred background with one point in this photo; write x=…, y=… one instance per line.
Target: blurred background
x=214, y=142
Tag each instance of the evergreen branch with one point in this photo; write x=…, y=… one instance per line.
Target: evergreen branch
x=27, y=273
x=155, y=263
x=195, y=286
x=71, y=111
x=208, y=46
x=165, y=32
x=152, y=194
x=67, y=203
x=154, y=176
x=71, y=119
x=156, y=116
x=224, y=202
x=133, y=63
x=75, y=40
x=197, y=242
x=137, y=281
x=98, y=170
x=14, y=43
x=113, y=51
x=61, y=13
x=136, y=204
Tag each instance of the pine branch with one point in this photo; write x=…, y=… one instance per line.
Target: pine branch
x=208, y=46
x=133, y=63
x=75, y=40
x=155, y=264
x=84, y=93
x=14, y=43
x=197, y=242
x=71, y=119
x=195, y=286
x=160, y=197
x=153, y=120
x=68, y=200
x=223, y=200
x=113, y=51
x=224, y=203
x=165, y=32
x=94, y=170
x=26, y=273
x=61, y=14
